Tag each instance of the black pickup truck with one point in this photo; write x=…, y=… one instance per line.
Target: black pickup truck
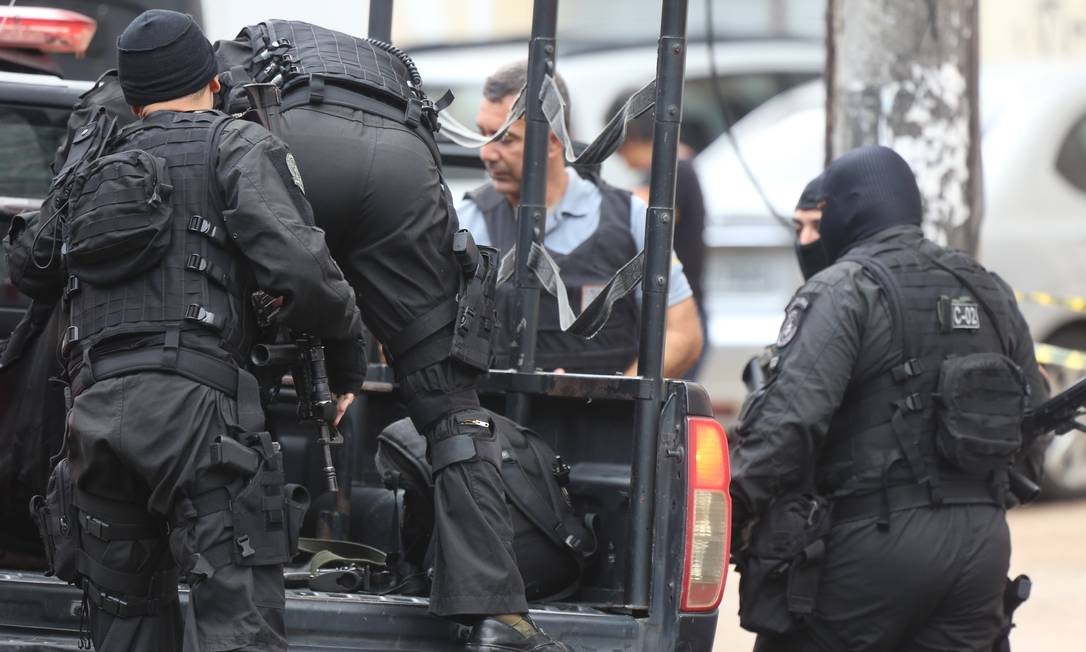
x=589, y=420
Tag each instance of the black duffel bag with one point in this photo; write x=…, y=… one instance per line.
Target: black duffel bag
x=553, y=545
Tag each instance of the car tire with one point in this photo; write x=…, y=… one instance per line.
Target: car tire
x=1065, y=459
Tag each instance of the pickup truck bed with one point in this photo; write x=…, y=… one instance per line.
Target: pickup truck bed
x=41, y=613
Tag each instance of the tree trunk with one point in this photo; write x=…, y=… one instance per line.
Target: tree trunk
x=903, y=73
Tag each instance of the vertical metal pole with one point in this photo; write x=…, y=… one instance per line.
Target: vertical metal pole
x=531, y=214
x=659, y=230
x=380, y=24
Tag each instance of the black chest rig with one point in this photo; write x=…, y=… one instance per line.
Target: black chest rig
x=313, y=65
x=585, y=271
x=943, y=422
x=154, y=282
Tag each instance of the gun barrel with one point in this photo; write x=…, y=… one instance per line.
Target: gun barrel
x=274, y=355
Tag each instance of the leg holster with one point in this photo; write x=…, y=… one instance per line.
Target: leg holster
x=463, y=436
x=266, y=514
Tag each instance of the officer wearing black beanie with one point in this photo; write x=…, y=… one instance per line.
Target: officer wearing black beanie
x=174, y=474
x=861, y=428
x=163, y=55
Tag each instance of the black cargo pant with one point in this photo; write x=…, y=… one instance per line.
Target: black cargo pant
x=377, y=192
x=933, y=582
x=142, y=443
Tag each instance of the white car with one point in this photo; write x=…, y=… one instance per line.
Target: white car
x=1033, y=125
x=750, y=72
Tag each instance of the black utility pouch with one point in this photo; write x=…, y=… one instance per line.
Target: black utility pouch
x=118, y=217
x=57, y=521
x=267, y=514
x=781, y=568
x=476, y=319
x=980, y=405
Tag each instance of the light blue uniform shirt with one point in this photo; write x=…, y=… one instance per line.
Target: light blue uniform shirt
x=572, y=221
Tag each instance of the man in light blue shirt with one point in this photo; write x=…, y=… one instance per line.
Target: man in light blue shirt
x=591, y=230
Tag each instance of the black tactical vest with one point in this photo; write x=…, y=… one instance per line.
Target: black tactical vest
x=885, y=432
x=186, y=288
x=315, y=65
x=584, y=270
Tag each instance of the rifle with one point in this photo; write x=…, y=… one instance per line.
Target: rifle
x=1058, y=413
x=305, y=357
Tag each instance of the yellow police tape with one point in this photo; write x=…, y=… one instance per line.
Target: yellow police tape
x=1060, y=357
x=1075, y=304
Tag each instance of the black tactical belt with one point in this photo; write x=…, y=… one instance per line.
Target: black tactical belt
x=356, y=98
x=909, y=496
x=194, y=365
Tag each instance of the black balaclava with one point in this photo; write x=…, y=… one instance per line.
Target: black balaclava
x=867, y=190
x=811, y=256
x=163, y=55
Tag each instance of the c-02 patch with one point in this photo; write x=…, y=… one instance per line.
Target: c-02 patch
x=793, y=317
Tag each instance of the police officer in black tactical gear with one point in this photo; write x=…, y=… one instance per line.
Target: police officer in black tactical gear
x=871, y=473
x=156, y=238
x=354, y=115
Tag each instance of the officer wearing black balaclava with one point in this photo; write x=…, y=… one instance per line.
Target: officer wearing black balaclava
x=806, y=219
x=169, y=472
x=874, y=463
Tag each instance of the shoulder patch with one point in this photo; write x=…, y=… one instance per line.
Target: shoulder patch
x=793, y=317
x=295, y=173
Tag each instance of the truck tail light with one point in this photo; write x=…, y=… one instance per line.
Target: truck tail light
x=708, y=515
x=45, y=29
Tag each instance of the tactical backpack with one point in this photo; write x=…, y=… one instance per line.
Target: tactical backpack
x=553, y=546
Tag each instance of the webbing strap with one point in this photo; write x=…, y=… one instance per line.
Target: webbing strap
x=422, y=327
x=594, y=315
x=461, y=448
x=107, y=531
x=129, y=607
x=112, y=580
x=192, y=364
x=335, y=549
x=521, y=490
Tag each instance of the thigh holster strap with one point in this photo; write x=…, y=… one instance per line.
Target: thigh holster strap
x=128, y=607
x=461, y=448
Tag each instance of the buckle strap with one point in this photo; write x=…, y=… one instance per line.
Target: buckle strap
x=127, y=607
x=204, y=227
x=106, y=531
x=201, y=265
x=71, y=287
x=197, y=313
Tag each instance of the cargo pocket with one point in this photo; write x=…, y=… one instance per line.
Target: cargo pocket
x=980, y=404
x=57, y=522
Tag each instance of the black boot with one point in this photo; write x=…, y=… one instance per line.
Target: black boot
x=492, y=635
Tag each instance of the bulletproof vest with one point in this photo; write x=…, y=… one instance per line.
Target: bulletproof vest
x=893, y=414
x=585, y=270
x=150, y=260
x=295, y=55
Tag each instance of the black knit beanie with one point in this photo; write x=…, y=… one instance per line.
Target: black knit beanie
x=867, y=190
x=163, y=55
